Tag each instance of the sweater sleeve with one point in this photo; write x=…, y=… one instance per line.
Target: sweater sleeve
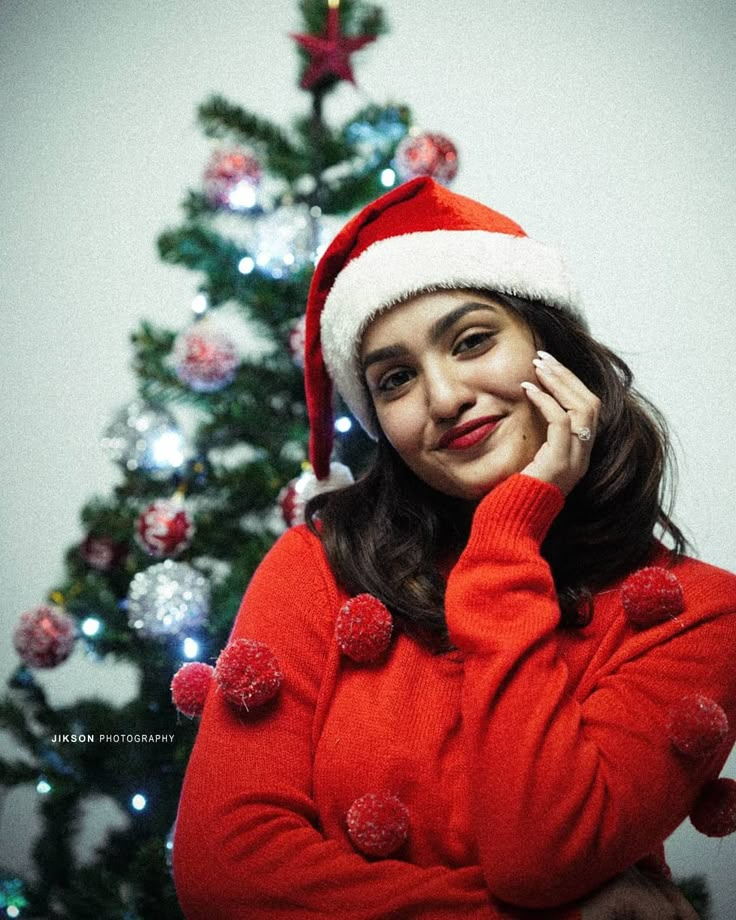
x=248, y=844
x=572, y=786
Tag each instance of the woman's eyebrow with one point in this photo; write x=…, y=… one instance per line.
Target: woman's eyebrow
x=436, y=331
x=440, y=327
x=384, y=354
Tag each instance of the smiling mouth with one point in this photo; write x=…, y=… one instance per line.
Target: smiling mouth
x=469, y=434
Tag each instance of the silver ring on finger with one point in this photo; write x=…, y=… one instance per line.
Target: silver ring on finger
x=583, y=434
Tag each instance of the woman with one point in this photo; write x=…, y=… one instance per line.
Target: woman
x=557, y=694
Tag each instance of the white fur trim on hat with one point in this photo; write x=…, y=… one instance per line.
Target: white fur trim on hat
x=399, y=267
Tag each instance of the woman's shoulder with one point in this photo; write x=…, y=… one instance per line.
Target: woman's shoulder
x=699, y=572
x=298, y=553
x=300, y=539
x=703, y=584
x=679, y=587
x=292, y=584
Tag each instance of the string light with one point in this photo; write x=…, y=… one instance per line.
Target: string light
x=190, y=647
x=388, y=178
x=243, y=196
x=200, y=304
x=343, y=424
x=43, y=787
x=139, y=801
x=168, y=449
x=246, y=265
x=91, y=626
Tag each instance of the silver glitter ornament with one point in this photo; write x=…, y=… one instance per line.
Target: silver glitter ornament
x=286, y=240
x=167, y=598
x=144, y=437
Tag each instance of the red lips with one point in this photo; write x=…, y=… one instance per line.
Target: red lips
x=468, y=434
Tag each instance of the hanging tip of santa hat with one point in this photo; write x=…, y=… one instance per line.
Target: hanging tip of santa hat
x=338, y=477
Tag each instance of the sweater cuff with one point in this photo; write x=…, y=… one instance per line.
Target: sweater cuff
x=520, y=508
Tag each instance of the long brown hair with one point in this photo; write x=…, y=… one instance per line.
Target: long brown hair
x=389, y=533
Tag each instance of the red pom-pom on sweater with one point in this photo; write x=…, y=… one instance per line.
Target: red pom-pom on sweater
x=652, y=595
x=189, y=687
x=714, y=813
x=378, y=823
x=697, y=725
x=248, y=673
x=363, y=628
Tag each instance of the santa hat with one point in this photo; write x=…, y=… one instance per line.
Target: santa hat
x=418, y=237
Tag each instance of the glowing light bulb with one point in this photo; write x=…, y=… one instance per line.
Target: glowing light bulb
x=343, y=424
x=191, y=648
x=168, y=449
x=139, y=801
x=243, y=196
x=200, y=304
x=43, y=787
x=388, y=178
x=246, y=265
x=91, y=626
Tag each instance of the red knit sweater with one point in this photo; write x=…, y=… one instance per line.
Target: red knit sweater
x=535, y=763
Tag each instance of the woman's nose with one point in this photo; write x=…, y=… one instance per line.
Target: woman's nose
x=448, y=394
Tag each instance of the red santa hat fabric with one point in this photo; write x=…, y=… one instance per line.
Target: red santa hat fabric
x=418, y=237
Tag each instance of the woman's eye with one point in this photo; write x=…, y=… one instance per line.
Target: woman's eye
x=393, y=380
x=473, y=341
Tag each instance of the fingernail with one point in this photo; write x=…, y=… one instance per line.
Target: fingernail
x=541, y=365
x=546, y=354
x=529, y=386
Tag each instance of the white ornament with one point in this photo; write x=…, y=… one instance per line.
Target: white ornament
x=286, y=240
x=167, y=598
x=144, y=437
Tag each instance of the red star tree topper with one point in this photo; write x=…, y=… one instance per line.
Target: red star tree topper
x=330, y=54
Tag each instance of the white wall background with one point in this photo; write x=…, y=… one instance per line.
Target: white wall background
x=606, y=128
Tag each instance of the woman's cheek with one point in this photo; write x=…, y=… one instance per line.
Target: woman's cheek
x=399, y=421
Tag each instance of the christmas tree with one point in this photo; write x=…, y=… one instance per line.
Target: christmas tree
x=212, y=460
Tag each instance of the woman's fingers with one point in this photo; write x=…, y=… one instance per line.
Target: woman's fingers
x=569, y=391
x=571, y=411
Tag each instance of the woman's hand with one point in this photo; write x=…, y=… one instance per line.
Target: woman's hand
x=634, y=895
x=571, y=412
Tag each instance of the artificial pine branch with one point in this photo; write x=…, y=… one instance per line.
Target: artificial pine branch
x=221, y=119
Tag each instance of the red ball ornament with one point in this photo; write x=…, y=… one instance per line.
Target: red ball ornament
x=714, y=813
x=652, y=595
x=102, y=553
x=248, y=673
x=294, y=496
x=231, y=179
x=205, y=359
x=44, y=636
x=189, y=687
x=378, y=823
x=697, y=725
x=426, y=154
x=164, y=529
x=363, y=628
x=292, y=503
x=296, y=342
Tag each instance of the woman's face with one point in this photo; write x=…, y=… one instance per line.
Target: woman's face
x=444, y=371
